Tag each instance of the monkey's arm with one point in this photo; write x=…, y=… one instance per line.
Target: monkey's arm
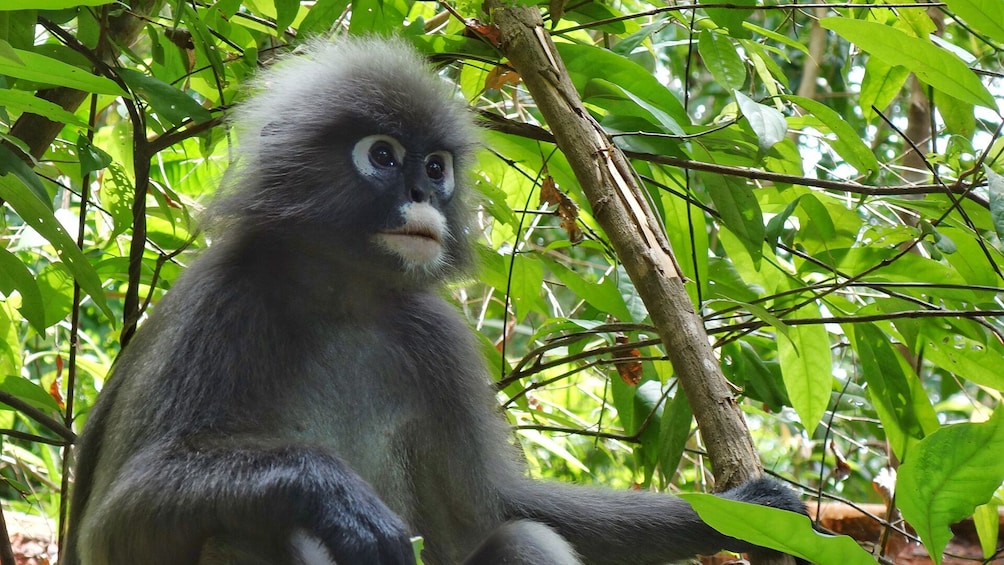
x=168, y=501
x=604, y=525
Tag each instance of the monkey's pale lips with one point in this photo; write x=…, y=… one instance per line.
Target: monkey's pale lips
x=419, y=248
x=419, y=241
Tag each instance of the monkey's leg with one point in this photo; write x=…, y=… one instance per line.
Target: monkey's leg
x=524, y=542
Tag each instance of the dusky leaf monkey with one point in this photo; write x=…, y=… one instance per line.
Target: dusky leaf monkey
x=303, y=394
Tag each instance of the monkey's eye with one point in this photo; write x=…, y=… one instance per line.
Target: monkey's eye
x=382, y=154
x=377, y=155
x=435, y=168
x=439, y=169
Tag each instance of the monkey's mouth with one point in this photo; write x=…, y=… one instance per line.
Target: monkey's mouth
x=415, y=246
x=419, y=232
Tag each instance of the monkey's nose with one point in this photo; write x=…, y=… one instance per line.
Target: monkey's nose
x=419, y=193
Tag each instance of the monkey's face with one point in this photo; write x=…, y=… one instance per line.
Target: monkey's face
x=419, y=184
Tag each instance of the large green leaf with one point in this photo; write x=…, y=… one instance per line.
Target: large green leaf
x=996, y=188
x=881, y=85
x=722, y=59
x=845, y=140
x=170, y=103
x=937, y=67
x=15, y=276
x=738, y=208
x=782, y=530
x=947, y=475
x=986, y=16
x=981, y=363
x=604, y=296
x=768, y=123
x=674, y=433
x=899, y=398
x=28, y=392
x=806, y=365
x=22, y=101
x=11, y=5
x=586, y=62
x=39, y=216
x=46, y=70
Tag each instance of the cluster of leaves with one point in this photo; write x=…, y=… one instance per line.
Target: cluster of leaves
x=829, y=178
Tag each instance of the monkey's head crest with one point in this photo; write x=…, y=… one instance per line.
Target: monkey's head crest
x=356, y=144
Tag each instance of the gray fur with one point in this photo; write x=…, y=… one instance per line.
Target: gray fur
x=302, y=385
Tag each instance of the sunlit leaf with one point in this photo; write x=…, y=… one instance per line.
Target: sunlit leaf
x=23, y=101
x=899, y=398
x=996, y=185
x=844, y=140
x=986, y=16
x=784, y=531
x=937, y=67
x=38, y=215
x=806, y=365
x=722, y=60
x=170, y=103
x=768, y=124
x=46, y=70
x=10, y=5
x=947, y=475
x=14, y=275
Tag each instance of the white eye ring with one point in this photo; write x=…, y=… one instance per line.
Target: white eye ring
x=446, y=182
x=363, y=161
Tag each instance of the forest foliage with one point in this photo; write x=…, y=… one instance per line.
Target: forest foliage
x=830, y=177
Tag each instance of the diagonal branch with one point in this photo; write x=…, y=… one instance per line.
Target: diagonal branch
x=612, y=188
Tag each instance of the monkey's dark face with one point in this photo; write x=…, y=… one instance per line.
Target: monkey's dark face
x=419, y=185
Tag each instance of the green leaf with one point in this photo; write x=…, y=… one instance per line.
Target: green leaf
x=782, y=530
x=845, y=140
x=585, y=62
x=739, y=210
x=14, y=275
x=11, y=5
x=947, y=475
x=322, y=16
x=937, y=67
x=674, y=433
x=881, y=85
x=604, y=296
x=900, y=399
x=39, y=68
x=600, y=88
x=806, y=367
x=950, y=350
x=776, y=224
x=996, y=184
x=986, y=519
x=28, y=392
x=778, y=37
x=285, y=13
x=986, y=16
x=768, y=123
x=37, y=214
x=22, y=101
x=170, y=103
x=10, y=163
x=733, y=17
x=722, y=59
x=92, y=157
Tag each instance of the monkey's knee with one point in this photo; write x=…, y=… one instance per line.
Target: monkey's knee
x=524, y=542
x=300, y=549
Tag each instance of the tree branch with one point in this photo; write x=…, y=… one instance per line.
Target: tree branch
x=613, y=190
